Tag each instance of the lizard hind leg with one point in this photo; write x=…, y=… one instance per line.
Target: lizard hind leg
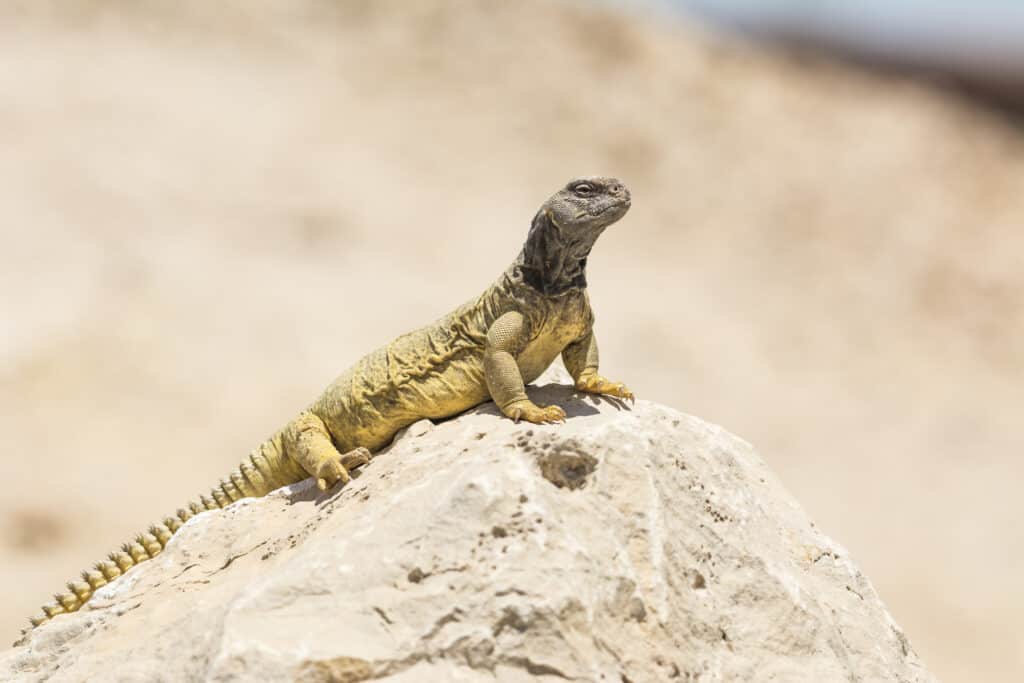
x=308, y=442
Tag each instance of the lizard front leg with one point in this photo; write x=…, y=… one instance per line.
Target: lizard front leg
x=505, y=339
x=307, y=440
x=581, y=360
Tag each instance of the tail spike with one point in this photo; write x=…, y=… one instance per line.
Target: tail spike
x=218, y=496
x=94, y=578
x=53, y=610
x=66, y=600
x=80, y=590
x=136, y=552
x=262, y=465
x=161, y=533
x=149, y=544
x=121, y=559
x=252, y=475
x=109, y=569
x=241, y=485
x=230, y=490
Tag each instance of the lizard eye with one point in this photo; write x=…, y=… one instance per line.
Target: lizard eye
x=583, y=189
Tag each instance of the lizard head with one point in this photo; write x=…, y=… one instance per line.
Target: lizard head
x=565, y=229
x=589, y=204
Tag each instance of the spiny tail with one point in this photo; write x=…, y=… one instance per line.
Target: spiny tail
x=266, y=469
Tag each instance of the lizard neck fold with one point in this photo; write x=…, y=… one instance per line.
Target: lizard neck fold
x=553, y=261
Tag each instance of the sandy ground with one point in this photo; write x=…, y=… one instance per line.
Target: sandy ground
x=206, y=214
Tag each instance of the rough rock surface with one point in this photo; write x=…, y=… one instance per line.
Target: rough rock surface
x=625, y=545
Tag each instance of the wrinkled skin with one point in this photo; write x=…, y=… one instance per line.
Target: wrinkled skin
x=487, y=349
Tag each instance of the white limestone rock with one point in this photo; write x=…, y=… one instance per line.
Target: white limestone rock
x=632, y=543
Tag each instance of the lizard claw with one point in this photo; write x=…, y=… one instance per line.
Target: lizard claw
x=355, y=458
x=595, y=384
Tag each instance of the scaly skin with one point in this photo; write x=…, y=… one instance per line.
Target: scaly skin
x=487, y=349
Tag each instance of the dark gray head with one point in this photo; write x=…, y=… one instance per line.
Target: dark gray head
x=554, y=258
x=586, y=205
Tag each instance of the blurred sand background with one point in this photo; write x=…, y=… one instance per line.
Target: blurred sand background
x=208, y=210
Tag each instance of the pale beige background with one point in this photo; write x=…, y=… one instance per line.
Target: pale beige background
x=206, y=214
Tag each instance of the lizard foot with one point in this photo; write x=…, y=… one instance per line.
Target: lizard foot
x=596, y=384
x=336, y=468
x=531, y=412
x=357, y=457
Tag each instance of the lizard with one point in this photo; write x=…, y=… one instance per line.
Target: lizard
x=489, y=348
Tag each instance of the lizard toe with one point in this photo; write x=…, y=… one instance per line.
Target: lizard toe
x=355, y=458
x=330, y=472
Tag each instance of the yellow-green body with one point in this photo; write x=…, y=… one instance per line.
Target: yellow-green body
x=488, y=348
x=438, y=371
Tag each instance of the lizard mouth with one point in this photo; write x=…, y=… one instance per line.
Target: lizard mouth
x=621, y=205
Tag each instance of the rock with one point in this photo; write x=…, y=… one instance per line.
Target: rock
x=632, y=543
